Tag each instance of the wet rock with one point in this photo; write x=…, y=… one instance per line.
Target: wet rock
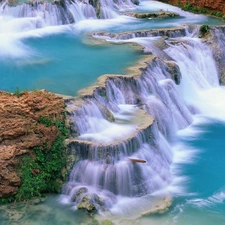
x=91, y=203
x=215, y=41
x=78, y=195
x=87, y=203
x=106, y=113
x=99, y=202
x=166, y=32
x=156, y=15
x=136, y=2
x=174, y=71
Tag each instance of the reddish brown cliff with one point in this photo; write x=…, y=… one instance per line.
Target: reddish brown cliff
x=214, y=5
x=20, y=131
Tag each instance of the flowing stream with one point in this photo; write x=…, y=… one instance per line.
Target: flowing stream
x=170, y=114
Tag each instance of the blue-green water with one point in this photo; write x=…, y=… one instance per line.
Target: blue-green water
x=203, y=198
x=207, y=173
x=62, y=63
x=123, y=24
x=39, y=212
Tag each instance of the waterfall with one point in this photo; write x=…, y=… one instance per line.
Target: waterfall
x=217, y=44
x=199, y=75
x=132, y=118
x=113, y=128
x=63, y=12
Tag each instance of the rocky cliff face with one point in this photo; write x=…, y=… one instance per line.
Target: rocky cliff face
x=215, y=5
x=20, y=131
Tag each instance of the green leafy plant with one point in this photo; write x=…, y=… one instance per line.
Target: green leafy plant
x=107, y=222
x=94, y=222
x=219, y=14
x=191, y=8
x=17, y=92
x=42, y=173
x=203, y=30
x=46, y=121
x=188, y=7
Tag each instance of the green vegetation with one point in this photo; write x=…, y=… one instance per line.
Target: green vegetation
x=104, y=222
x=191, y=8
x=41, y=173
x=158, y=15
x=107, y=222
x=203, y=30
x=94, y=222
x=46, y=121
x=17, y=92
x=7, y=200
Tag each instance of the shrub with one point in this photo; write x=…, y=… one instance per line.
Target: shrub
x=219, y=14
x=42, y=173
x=188, y=7
x=17, y=92
x=203, y=30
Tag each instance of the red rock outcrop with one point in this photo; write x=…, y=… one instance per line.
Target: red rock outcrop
x=20, y=131
x=214, y=5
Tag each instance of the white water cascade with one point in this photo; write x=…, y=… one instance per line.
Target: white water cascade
x=110, y=132
x=63, y=12
x=200, y=77
x=105, y=148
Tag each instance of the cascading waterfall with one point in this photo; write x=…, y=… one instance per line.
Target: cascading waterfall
x=105, y=149
x=218, y=45
x=63, y=12
x=203, y=73
x=46, y=13
x=200, y=76
x=104, y=169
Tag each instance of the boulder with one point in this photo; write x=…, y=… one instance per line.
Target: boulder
x=174, y=71
x=91, y=203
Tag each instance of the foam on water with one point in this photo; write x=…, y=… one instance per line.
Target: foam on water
x=193, y=131
x=183, y=155
x=137, y=206
x=103, y=131
x=96, y=25
x=14, y=30
x=199, y=77
x=216, y=199
x=108, y=133
x=155, y=6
